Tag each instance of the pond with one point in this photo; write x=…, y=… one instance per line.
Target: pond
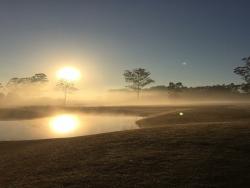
x=65, y=125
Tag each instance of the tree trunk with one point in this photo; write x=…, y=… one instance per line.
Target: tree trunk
x=65, y=95
x=138, y=93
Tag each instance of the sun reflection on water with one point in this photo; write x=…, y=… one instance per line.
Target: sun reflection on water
x=65, y=123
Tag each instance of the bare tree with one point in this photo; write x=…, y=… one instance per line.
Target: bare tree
x=66, y=86
x=244, y=72
x=138, y=79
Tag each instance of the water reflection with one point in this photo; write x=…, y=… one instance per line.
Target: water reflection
x=65, y=123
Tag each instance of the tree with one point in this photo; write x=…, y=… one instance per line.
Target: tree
x=138, y=79
x=244, y=72
x=1, y=86
x=1, y=92
x=66, y=86
x=17, y=84
x=39, y=78
x=31, y=85
x=176, y=87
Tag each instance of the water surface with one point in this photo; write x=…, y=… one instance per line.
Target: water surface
x=65, y=125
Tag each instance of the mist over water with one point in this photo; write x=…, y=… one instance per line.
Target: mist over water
x=50, y=96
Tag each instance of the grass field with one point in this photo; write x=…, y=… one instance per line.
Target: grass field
x=209, y=146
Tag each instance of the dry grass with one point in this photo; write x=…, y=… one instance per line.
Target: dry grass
x=198, y=114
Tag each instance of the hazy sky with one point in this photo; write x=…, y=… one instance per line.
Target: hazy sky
x=194, y=41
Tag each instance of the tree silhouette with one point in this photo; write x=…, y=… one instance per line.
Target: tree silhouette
x=176, y=87
x=39, y=78
x=35, y=82
x=17, y=82
x=138, y=79
x=244, y=72
x=1, y=91
x=66, y=86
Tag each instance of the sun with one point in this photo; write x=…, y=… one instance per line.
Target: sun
x=68, y=74
x=65, y=123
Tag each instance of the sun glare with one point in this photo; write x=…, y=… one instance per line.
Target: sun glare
x=64, y=123
x=69, y=74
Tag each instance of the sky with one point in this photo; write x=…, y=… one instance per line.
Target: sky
x=197, y=42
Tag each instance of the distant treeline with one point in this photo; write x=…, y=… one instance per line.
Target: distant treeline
x=178, y=87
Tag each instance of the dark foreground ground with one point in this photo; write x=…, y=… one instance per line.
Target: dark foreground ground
x=207, y=147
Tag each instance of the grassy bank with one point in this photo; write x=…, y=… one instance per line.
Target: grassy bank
x=198, y=114
x=212, y=154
